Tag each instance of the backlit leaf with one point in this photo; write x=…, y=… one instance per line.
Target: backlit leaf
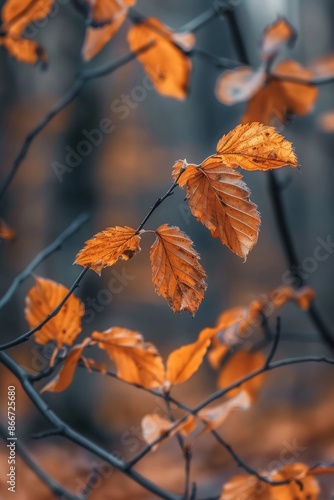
x=105, y=248
x=165, y=63
x=220, y=200
x=41, y=300
x=176, y=272
x=215, y=416
x=276, y=36
x=242, y=363
x=239, y=84
x=281, y=98
x=254, y=146
x=154, y=426
x=65, y=376
x=137, y=362
x=185, y=361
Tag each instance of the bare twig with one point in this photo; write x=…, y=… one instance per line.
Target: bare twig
x=27, y=335
x=56, y=245
x=54, y=487
x=75, y=437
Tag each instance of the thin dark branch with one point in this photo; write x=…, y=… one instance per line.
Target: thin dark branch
x=275, y=343
x=54, y=486
x=74, y=436
x=70, y=95
x=168, y=193
x=56, y=245
x=27, y=335
x=218, y=61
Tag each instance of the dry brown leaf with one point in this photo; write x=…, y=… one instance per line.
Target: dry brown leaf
x=5, y=232
x=185, y=361
x=239, y=84
x=105, y=248
x=280, y=98
x=16, y=16
x=176, y=272
x=153, y=426
x=41, y=300
x=241, y=364
x=307, y=487
x=64, y=378
x=254, y=146
x=165, y=63
x=220, y=200
x=276, y=36
x=137, y=362
x=215, y=416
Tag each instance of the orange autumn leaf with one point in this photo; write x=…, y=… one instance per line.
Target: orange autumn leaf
x=300, y=487
x=153, y=426
x=64, y=378
x=5, y=232
x=16, y=16
x=215, y=416
x=165, y=63
x=237, y=367
x=280, y=98
x=276, y=36
x=185, y=361
x=137, y=362
x=254, y=146
x=106, y=19
x=239, y=84
x=176, y=272
x=41, y=300
x=105, y=248
x=219, y=199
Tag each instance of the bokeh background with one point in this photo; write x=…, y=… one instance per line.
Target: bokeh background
x=117, y=183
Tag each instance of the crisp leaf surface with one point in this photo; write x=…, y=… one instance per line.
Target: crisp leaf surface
x=176, y=272
x=105, y=248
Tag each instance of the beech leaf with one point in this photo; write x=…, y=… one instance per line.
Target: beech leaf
x=176, y=272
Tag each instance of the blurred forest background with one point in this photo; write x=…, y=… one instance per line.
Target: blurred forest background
x=117, y=183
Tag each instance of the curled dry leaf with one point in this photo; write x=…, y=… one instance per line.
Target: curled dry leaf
x=137, y=362
x=185, y=361
x=41, y=300
x=176, y=272
x=106, y=19
x=153, y=427
x=276, y=36
x=64, y=378
x=219, y=199
x=16, y=16
x=105, y=248
x=215, y=416
x=254, y=146
x=281, y=98
x=165, y=63
x=241, y=364
x=5, y=232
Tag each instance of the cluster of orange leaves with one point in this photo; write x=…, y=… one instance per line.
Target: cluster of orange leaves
x=218, y=198
x=138, y=362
